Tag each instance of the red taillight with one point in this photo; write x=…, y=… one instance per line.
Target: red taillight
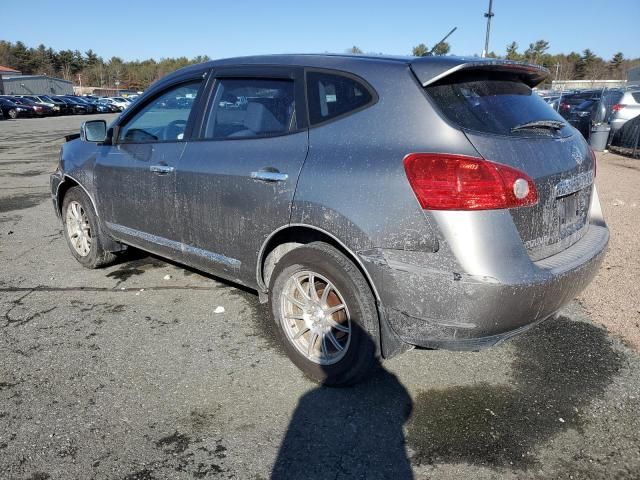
x=564, y=106
x=443, y=181
x=617, y=107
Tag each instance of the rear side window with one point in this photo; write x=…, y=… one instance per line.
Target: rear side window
x=331, y=96
x=489, y=103
x=636, y=96
x=250, y=108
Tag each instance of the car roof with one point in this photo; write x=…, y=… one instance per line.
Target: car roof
x=428, y=69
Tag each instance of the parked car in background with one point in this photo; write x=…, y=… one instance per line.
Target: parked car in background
x=90, y=107
x=76, y=107
x=120, y=102
x=582, y=115
x=625, y=108
x=101, y=107
x=10, y=109
x=118, y=106
x=64, y=108
x=38, y=109
x=376, y=203
x=567, y=102
x=41, y=99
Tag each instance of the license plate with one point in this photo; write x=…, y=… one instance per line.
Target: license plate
x=572, y=212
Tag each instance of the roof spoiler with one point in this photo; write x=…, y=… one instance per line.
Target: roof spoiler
x=429, y=70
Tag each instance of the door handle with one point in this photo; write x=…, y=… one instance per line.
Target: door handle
x=161, y=169
x=267, y=176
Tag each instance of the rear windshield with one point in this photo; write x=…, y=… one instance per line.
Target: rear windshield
x=489, y=103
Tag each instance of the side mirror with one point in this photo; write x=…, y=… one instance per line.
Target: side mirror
x=94, y=131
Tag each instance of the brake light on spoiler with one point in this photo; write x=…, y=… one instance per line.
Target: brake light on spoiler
x=443, y=181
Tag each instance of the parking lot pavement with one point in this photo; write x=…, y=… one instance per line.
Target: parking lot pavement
x=126, y=373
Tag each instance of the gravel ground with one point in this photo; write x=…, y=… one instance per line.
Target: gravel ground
x=125, y=373
x=613, y=299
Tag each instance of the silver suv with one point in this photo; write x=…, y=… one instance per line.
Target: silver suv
x=376, y=203
x=626, y=108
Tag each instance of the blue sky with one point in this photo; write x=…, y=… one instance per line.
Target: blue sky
x=138, y=29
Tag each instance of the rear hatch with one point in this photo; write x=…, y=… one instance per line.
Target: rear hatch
x=508, y=123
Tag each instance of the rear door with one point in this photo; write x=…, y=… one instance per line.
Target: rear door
x=136, y=176
x=489, y=107
x=235, y=182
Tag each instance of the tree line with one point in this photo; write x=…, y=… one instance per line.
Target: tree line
x=90, y=69
x=571, y=66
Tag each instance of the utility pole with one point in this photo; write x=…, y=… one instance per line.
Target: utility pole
x=488, y=16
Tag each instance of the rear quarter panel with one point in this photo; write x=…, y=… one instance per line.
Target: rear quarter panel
x=353, y=184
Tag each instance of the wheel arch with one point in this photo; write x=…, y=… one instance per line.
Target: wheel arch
x=67, y=183
x=287, y=238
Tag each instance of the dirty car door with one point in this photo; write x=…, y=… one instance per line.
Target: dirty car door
x=236, y=182
x=136, y=177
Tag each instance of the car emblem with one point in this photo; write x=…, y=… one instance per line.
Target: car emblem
x=577, y=156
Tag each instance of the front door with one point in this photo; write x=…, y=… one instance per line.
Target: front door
x=136, y=176
x=236, y=181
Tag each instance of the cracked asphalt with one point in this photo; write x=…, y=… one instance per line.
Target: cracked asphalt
x=127, y=373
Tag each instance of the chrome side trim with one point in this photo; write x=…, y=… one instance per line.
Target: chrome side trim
x=259, y=272
x=178, y=246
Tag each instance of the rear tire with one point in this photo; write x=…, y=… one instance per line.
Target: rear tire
x=325, y=314
x=82, y=230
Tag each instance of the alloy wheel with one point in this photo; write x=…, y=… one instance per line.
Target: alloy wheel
x=315, y=317
x=78, y=228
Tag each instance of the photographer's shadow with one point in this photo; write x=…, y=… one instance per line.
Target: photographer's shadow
x=342, y=433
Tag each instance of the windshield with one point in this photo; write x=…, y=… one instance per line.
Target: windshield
x=489, y=102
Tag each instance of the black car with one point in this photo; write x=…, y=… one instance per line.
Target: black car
x=571, y=100
x=91, y=108
x=100, y=107
x=10, y=109
x=38, y=109
x=75, y=107
x=59, y=107
x=583, y=114
x=609, y=98
x=64, y=108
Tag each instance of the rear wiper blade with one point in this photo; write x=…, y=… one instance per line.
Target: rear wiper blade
x=546, y=124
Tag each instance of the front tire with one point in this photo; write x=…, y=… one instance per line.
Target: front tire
x=325, y=314
x=82, y=230
x=13, y=114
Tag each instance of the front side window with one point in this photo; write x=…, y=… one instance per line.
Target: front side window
x=164, y=119
x=331, y=96
x=250, y=108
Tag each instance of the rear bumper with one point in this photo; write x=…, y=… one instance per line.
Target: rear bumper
x=431, y=308
x=617, y=123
